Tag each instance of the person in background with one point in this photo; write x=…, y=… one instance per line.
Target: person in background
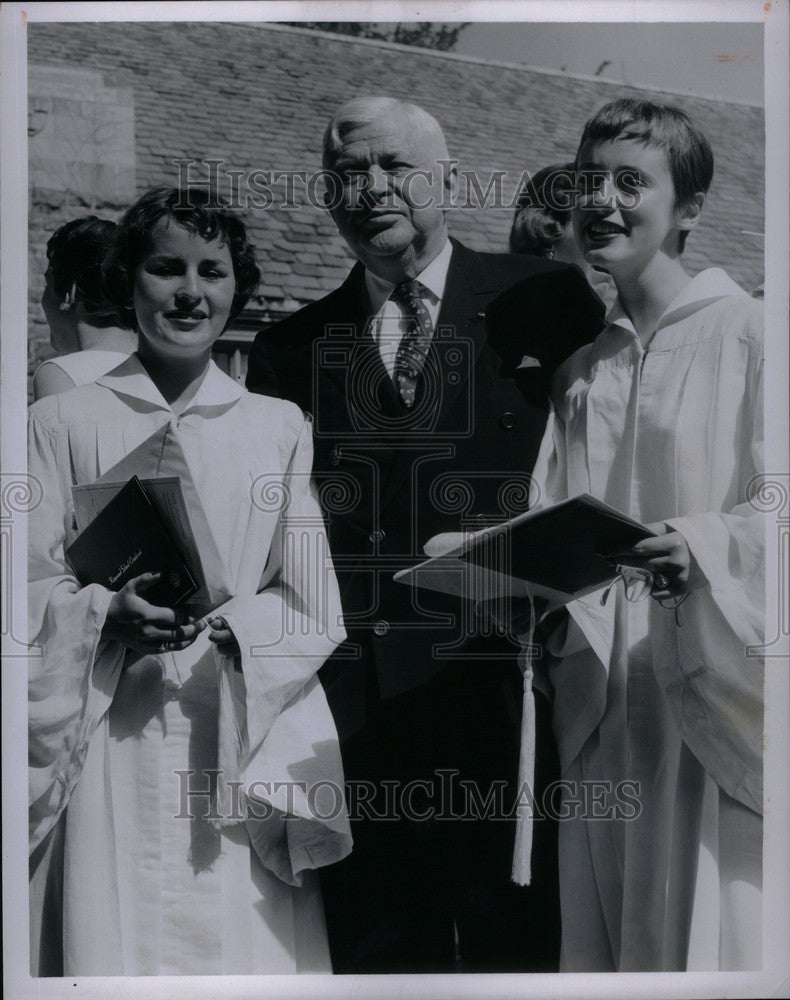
x=542, y=225
x=84, y=328
x=661, y=417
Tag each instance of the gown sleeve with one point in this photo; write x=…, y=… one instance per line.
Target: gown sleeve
x=729, y=546
x=72, y=680
x=276, y=733
x=711, y=668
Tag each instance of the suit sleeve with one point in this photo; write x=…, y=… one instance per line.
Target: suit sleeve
x=261, y=375
x=281, y=366
x=585, y=319
x=547, y=316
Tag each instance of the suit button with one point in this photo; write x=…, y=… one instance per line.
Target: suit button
x=381, y=628
x=507, y=420
x=377, y=536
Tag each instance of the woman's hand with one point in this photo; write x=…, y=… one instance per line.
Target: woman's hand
x=667, y=557
x=145, y=627
x=222, y=637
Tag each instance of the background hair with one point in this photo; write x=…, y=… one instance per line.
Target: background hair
x=198, y=210
x=76, y=253
x=365, y=110
x=541, y=214
x=663, y=126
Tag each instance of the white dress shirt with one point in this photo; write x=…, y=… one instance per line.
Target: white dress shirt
x=389, y=321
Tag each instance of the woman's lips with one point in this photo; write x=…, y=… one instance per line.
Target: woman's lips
x=187, y=321
x=601, y=229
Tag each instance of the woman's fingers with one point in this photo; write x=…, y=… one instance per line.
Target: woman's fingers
x=445, y=542
x=139, y=584
x=166, y=617
x=157, y=632
x=172, y=647
x=221, y=635
x=667, y=558
x=141, y=609
x=648, y=548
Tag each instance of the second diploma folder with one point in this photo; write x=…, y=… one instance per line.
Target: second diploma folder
x=553, y=552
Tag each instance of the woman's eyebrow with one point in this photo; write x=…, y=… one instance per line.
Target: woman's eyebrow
x=162, y=258
x=621, y=168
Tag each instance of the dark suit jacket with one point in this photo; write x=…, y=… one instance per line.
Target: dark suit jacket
x=391, y=478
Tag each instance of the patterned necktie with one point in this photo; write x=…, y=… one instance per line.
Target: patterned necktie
x=416, y=341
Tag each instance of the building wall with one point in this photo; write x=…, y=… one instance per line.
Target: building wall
x=113, y=105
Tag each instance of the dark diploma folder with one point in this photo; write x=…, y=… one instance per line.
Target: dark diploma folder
x=125, y=539
x=550, y=551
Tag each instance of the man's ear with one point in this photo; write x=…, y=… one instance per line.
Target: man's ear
x=450, y=180
x=689, y=214
x=333, y=189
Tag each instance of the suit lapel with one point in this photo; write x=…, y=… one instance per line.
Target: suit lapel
x=354, y=388
x=345, y=325
x=461, y=325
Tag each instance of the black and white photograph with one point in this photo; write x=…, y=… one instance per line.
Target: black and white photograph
x=395, y=508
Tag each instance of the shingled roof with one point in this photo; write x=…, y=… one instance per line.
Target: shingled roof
x=257, y=96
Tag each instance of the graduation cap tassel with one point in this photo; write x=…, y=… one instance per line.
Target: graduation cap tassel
x=521, y=872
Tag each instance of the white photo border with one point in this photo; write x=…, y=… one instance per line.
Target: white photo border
x=774, y=980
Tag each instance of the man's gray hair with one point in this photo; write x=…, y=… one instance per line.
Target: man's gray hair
x=366, y=110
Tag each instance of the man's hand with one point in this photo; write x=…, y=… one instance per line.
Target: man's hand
x=667, y=557
x=145, y=627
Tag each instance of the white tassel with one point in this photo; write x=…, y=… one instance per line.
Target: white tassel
x=229, y=808
x=521, y=872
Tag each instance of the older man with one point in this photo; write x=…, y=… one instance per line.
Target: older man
x=426, y=373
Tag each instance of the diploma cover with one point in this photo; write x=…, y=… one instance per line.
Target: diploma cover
x=552, y=552
x=125, y=539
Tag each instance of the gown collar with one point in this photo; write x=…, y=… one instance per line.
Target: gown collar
x=709, y=285
x=131, y=379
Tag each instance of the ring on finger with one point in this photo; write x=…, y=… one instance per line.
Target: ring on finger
x=660, y=582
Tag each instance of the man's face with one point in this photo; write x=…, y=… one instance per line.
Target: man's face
x=392, y=191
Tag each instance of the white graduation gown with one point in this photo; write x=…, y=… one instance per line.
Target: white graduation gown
x=671, y=434
x=147, y=889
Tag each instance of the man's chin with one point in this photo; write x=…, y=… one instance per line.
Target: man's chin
x=385, y=242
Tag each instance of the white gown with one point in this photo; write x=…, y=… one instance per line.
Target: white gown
x=113, y=736
x=672, y=434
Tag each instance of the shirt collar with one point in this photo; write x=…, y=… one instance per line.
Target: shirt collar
x=709, y=285
x=433, y=277
x=131, y=379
